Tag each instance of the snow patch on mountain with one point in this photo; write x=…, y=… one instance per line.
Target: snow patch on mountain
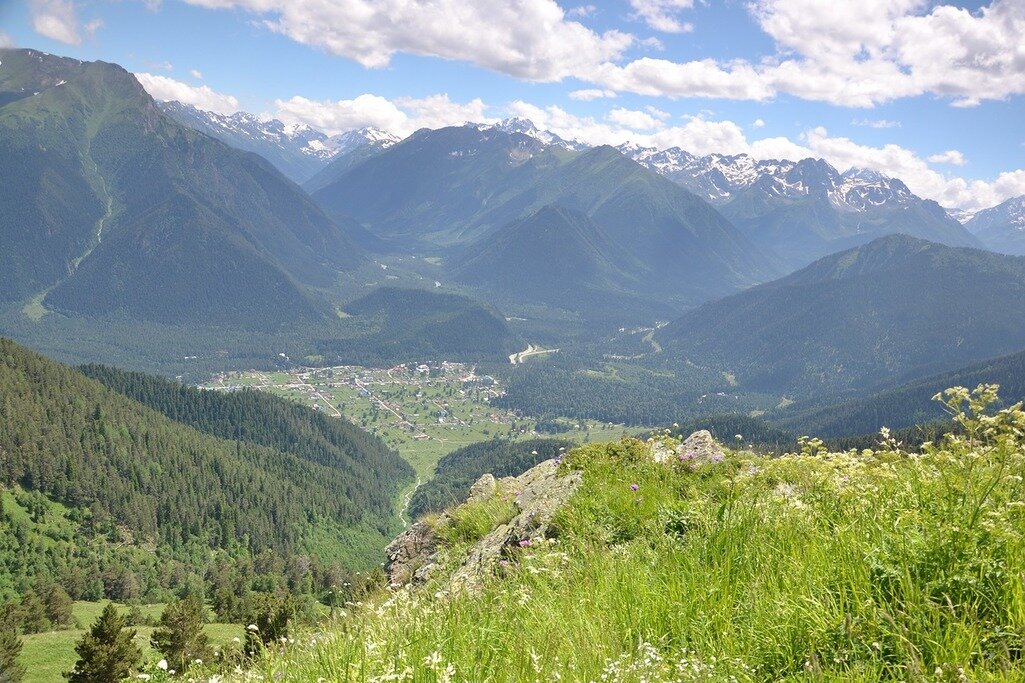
x=719, y=177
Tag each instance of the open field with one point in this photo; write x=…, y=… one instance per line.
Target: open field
x=47, y=656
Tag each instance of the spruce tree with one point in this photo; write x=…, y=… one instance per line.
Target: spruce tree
x=33, y=613
x=180, y=637
x=11, y=671
x=107, y=653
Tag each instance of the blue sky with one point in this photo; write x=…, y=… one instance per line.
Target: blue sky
x=930, y=92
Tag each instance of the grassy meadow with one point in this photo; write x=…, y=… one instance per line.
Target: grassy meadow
x=815, y=566
x=47, y=656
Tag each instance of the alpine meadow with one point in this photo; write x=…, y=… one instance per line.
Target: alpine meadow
x=510, y=341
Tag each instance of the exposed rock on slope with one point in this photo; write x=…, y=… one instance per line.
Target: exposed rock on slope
x=537, y=495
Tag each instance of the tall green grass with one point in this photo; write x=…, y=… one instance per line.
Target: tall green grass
x=816, y=566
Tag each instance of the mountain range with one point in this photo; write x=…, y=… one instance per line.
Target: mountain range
x=1002, y=227
x=297, y=150
x=805, y=209
x=874, y=316
x=457, y=190
x=116, y=209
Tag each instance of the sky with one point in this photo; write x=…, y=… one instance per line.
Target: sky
x=931, y=92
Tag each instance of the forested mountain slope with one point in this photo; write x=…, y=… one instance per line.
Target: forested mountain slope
x=116, y=209
x=870, y=317
x=274, y=477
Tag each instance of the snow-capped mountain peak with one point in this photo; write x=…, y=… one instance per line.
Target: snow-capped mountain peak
x=719, y=177
x=527, y=127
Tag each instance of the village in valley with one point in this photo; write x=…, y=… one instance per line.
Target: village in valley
x=423, y=410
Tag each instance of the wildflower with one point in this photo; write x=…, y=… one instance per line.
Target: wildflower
x=634, y=487
x=143, y=677
x=253, y=628
x=162, y=665
x=525, y=543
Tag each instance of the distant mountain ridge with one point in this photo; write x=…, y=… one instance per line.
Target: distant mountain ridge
x=1001, y=228
x=887, y=312
x=297, y=150
x=456, y=188
x=804, y=209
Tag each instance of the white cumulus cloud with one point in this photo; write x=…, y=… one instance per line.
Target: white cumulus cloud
x=951, y=156
x=588, y=94
x=203, y=97
x=57, y=20
x=662, y=15
x=401, y=116
x=531, y=39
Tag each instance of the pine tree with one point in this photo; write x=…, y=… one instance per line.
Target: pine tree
x=180, y=637
x=58, y=606
x=11, y=671
x=33, y=613
x=107, y=653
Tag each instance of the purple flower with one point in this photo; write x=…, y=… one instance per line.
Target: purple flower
x=634, y=487
x=504, y=563
x=525, y=543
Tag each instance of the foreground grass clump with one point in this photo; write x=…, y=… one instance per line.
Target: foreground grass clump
x=858, y=566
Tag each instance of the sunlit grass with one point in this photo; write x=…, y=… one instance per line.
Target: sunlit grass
x=816, y=566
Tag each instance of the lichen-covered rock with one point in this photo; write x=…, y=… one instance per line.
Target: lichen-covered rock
x=700, y=447
x=703, y=446
x=539, y=493
x=483, y=489
x=411, y=555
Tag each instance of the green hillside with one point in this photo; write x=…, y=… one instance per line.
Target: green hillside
x=908, y=404
x=560, y=258
x=719, y=566
x=414, y=324
x=242, y=474
x=871, y=317
x=122, y=211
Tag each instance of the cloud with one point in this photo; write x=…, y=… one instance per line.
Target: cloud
x=6, y=40
x=589, y=94
x=56, y=19
x=704, y=78
x=581, y=11
x=203, y=97
x=758, y=123
x=530, y=39
x=197, y=74
x=875, y=123
x=401, y=116
x=952, y=157
x=660, y=15
x=92, y=26
x=636, y=120
x=855, y=54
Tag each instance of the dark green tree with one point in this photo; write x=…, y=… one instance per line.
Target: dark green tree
x=11, y=671
x=107, y=653
x=33, y=613
x=180, y=637
x=269, y=619
x=58, y=606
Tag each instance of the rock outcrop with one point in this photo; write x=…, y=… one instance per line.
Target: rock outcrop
x=699, y=447
x=537, y=494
